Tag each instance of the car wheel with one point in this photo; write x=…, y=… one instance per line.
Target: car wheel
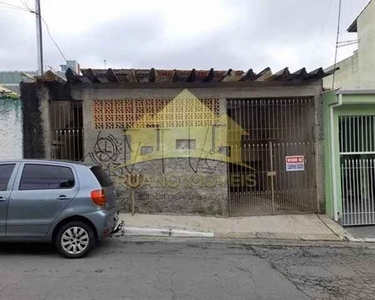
x=75, y=239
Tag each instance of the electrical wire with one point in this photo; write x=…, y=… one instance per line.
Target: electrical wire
x=12, y=6
x=28, y=9
x=57, y=46
x=52, y=39
x=336, y=46
x=322, y=28
x=25, y=3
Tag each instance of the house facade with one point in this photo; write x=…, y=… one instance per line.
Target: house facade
x=349, y=129
x=350, y=156
x=177, y=141
x=357, y=71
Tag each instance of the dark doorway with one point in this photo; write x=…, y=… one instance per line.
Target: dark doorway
x=66, y=125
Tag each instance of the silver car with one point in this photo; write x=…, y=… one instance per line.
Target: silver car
x=69, y=204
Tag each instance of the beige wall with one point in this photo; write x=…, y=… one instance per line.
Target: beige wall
x=358, y=70
x=366, y=48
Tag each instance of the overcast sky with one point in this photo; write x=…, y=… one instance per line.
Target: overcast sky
x=237, y=34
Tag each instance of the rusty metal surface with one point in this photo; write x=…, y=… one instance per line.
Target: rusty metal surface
x=274, y=129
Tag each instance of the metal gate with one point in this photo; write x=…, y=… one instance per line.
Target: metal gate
x=66, y=130
x=270, y=131
x=357, y=165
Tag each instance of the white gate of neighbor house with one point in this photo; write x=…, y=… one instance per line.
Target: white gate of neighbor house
x=357, y=164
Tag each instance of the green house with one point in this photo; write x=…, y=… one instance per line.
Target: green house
x=349, y=117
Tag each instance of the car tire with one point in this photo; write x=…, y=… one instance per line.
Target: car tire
x=75, y=239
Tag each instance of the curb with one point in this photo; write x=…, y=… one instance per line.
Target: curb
x=361, y=240
x=336, y=229
x=163, y=232
x=341, y=232
x=169, y=232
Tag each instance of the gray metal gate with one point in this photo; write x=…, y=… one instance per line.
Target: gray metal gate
x=66, y=130
x=357, y=164
x=272, y=131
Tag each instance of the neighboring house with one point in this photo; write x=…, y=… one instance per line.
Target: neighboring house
x=72, y=64
x=7, y=93
x=350, y=155
x=224, y=142
x=349, y=114
x=11, y=79
x=358, y=70
x=11, y=117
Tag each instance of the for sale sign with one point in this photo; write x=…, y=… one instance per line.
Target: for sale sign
x=295, y=163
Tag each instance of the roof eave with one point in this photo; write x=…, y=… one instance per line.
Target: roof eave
x=153, y=76
x=353, y=27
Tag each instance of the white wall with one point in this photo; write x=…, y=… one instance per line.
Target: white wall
x=347, y=76
x=358, y=70
x=10, y=129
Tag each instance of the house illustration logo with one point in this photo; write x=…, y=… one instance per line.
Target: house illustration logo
x=184, y=128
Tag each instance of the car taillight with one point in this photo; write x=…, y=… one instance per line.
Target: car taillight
x=98, y=197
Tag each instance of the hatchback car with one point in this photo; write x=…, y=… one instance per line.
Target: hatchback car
x=70, y=204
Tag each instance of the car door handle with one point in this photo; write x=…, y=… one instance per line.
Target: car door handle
x=62, y=197
x=3, y=199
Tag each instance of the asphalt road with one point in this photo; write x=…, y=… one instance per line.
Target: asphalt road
x=188, y=270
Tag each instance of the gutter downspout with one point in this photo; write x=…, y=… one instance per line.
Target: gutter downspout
x=333, y=153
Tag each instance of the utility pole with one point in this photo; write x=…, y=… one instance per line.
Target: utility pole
x=39, y=36
x=337, y=45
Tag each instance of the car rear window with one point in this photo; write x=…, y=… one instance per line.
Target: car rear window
x=101, y=176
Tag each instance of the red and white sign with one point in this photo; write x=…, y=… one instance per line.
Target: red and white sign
x=295, y=163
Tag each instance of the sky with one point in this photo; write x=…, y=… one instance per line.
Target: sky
x=179, y=34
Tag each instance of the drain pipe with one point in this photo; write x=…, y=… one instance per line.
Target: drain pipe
x=333, y=153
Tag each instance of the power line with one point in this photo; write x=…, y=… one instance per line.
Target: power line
x=52, y=39
x=28, y=9
x=12, y=6
x=336, y=46
x=322, y=28
x=57, y=46
x=39, y=36
x=25, y=3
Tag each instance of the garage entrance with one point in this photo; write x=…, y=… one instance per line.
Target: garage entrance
x=277, y=174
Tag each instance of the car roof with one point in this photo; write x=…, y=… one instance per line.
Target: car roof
x=53, y=161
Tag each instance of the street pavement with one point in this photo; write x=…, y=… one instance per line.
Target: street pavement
x=189, y=269
x=364, y=232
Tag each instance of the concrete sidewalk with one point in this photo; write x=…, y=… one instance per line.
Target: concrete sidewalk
x=288, y=227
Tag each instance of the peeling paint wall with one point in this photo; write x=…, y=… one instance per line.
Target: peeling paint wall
x=10, y=129
x=165, y=160
x=145, y=158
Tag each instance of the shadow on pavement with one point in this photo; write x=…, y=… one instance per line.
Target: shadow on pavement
x=39, y=248
x=27, y=248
